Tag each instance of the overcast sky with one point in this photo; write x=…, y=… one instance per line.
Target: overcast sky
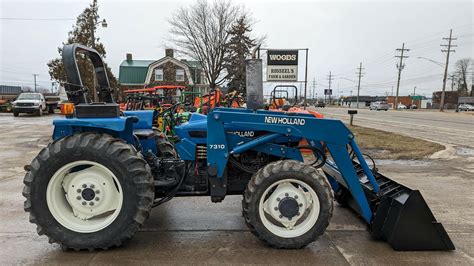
x=338, y=34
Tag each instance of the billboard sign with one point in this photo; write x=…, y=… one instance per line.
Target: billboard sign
x=327, y=92
x=282, y=65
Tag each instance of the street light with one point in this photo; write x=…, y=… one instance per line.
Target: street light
x=104, y=23
x=348, y=79
x=431, y=60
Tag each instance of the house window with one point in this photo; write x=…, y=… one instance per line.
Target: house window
x=179, y=74
x=159, y=74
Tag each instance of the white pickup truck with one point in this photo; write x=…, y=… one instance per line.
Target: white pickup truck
x=35, y=103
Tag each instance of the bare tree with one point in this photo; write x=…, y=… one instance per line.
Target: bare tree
x=461, y=70
x=201, y=31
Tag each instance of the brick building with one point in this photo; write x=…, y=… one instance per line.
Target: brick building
x=405, y=100
x=136, y=74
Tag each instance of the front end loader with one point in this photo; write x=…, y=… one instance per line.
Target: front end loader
x=95, y=184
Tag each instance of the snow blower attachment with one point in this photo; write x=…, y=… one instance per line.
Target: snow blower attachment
x=95, y=184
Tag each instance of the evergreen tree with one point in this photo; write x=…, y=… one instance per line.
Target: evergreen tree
x=84, y=33
x=238, y=48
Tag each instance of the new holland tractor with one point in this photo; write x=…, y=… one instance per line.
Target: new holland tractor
x=95, y=184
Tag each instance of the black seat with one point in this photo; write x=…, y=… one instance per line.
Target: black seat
x=144, y=133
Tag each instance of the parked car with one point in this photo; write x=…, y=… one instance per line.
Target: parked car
x=401, y=106
x=379, y=106
x=34, y=103
x=320, y=104
x=412, y=106
x=466, y=107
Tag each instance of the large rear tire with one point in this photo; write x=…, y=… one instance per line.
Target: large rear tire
x=164, y=148
x=88, y=191
x=288, y=204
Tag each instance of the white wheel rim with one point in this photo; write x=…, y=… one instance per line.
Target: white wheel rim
x=293, y=190
x=86, y=200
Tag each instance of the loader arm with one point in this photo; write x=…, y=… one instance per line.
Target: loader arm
x=393, y=212
x=332, y=132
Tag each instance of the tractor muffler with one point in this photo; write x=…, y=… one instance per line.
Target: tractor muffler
x=401, y=216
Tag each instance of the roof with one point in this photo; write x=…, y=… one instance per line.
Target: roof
x=137, y=63
x=165, y=60
x=133, y=72
x=192, y=64
x=6, y=89
x=164, y=87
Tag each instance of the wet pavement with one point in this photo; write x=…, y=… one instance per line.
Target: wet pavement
x=194, y=230
x=444, y=127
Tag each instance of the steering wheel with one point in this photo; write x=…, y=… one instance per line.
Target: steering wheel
x=169, y=115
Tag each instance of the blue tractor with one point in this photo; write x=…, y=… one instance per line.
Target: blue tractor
x=95, y=184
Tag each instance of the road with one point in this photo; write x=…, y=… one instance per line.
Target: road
x=194, y=230
x=443, y=127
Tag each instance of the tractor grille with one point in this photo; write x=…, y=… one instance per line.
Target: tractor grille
x=201, y=152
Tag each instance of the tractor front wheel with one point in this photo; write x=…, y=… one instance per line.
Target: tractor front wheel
x=88, y=191
x=288, y=204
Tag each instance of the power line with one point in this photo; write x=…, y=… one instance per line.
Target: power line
x=38, y=19
x=400, y=67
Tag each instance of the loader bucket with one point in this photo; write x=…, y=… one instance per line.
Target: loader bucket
x=406, y=222
x=400, y=215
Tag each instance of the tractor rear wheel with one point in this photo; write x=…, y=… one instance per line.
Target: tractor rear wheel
x=288, y=204
x=88, y=191
x=164, y=148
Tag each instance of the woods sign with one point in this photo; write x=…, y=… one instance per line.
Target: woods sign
x=282, y=65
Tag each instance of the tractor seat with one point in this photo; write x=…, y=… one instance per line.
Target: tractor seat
x=144, y=133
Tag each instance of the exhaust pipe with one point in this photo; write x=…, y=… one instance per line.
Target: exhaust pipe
x=254, y=81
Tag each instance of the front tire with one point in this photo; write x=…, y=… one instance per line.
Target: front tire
x=88, y=191
x=15, y=113
x=288, y=204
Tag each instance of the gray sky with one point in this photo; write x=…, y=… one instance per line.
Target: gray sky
x=339, y=35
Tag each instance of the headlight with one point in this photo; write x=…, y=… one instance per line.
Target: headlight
x=37, y=103
x=14, y=103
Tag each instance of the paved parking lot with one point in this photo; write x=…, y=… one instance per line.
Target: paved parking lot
x=194, y=230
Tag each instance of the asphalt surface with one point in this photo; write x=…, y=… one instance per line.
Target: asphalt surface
x=194, y=230
x=444, y=127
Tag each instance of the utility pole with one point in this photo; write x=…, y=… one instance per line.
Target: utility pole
x=358, y=85
x=314, y=87
x=452, y=78
x=400, y=67
x=34, y=77
x=305, y=79
x=413, y=98
x=330, y=79
x=448, y=51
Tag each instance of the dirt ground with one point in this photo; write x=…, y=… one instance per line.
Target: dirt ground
x=386, y=145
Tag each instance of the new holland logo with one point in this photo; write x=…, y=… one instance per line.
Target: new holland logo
x=285, y=120
x=244, y=133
